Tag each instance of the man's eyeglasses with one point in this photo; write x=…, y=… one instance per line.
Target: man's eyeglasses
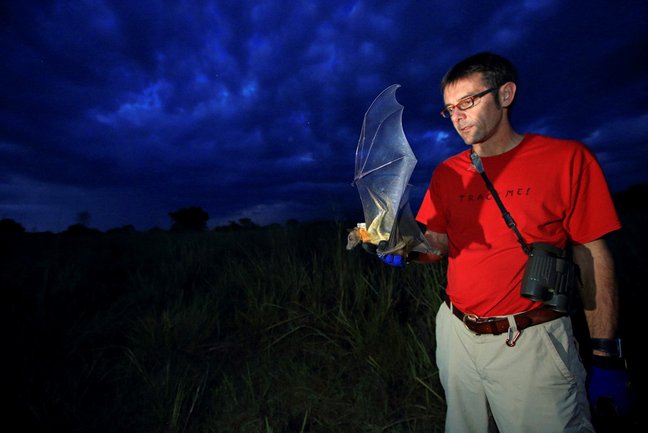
x=464, y=104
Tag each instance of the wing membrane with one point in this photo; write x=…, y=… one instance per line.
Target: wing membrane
x=383, y=166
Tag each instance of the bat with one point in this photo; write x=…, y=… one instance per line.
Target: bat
x=384, y=162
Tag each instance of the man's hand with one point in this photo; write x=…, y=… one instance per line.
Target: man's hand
x=608, y=387
x=392, y=259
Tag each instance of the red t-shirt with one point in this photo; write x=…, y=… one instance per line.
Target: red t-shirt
x=555, y=191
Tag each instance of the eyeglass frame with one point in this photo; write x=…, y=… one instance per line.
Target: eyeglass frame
x=449, y=109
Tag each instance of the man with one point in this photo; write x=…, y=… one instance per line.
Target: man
x=508, y=362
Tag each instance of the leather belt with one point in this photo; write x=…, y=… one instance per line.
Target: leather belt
x=500, y=324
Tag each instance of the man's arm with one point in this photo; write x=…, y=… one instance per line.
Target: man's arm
x=608, y=383
x=599, y=291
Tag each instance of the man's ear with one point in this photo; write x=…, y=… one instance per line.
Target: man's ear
x=507, y=94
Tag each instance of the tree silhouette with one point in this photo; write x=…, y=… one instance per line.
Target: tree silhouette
x=189, y=219
x=79, y=229
x=127, y=229
x=7, y=225
x=247, y=223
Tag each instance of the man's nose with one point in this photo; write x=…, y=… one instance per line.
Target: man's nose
x=457, y=114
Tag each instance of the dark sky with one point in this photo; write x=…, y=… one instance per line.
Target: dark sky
x=129, y=110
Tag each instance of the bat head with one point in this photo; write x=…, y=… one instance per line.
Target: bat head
x=357, y=235
x=353, y=238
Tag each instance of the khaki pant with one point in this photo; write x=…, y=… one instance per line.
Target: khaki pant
x=536, y=386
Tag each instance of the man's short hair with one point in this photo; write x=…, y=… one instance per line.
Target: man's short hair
x=496, y=70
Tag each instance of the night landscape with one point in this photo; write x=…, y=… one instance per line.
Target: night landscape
x=176, y=193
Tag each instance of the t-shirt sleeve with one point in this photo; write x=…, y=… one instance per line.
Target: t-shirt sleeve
x=592, y=214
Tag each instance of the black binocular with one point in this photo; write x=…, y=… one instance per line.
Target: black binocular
x=549, y=277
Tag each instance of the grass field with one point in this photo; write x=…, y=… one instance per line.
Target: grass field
x=268, y=330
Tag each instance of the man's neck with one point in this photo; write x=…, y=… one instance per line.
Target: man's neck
x=497, y=145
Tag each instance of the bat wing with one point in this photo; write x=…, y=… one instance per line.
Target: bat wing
x=383, y=166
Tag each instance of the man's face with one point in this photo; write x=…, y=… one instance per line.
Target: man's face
x=480, y=122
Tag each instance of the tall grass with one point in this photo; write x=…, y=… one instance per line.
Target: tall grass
x=277, y=329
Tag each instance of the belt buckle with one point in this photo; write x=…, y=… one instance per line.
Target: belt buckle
x=473, y=318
